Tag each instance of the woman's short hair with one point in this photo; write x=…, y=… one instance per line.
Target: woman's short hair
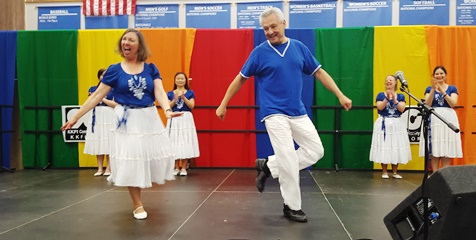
x=143, y=52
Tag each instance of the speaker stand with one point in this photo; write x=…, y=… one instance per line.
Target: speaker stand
x=426, y=112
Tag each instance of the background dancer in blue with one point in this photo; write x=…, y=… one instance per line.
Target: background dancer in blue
x=278, y=65
x=99, y=129
x=390, y=143
x=444, y=144
x=182, y=131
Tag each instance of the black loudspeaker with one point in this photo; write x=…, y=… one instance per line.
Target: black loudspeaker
x=451, y=207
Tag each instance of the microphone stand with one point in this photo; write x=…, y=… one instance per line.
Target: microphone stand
x=426, y=111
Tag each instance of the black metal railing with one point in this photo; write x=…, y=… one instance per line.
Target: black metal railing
x=337, y=132
x=50, y=132
x=227, y=130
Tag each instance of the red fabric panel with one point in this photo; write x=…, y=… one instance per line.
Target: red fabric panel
x=217, y=58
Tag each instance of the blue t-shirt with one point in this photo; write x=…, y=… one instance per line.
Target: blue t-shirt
x=132, y=89
x=180, y=105
x=391, y=109
x=278, y=72
x=438, y=99
x=110, y=95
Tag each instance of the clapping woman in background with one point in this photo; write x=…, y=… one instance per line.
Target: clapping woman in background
x=182, y=131
x=444, y=143
x=390, y=143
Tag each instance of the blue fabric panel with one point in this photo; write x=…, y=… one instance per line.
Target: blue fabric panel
x=8, y=42
x=306, y=36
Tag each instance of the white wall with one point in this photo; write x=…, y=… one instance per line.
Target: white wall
x=31, y=11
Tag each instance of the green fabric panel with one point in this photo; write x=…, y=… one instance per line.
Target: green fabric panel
x=347, y=55
x=47, y=76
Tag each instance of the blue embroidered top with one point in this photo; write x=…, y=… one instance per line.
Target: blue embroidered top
x=132, y=89
x=278, y=73
x=180, y=105
x=438, y=99
x=391, y=109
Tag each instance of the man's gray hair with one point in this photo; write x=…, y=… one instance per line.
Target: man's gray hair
x=270, y=11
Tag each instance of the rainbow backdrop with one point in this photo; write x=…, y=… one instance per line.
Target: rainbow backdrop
x=57, y=67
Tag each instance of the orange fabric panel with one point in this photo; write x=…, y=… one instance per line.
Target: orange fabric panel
x=171, y=53
x=453, y=48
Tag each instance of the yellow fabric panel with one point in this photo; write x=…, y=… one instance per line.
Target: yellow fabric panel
x=96, y=49
x=402, y=48
x=171, y=53
x=454, y=48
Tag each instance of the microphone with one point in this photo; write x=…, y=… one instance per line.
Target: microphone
x=403, y=81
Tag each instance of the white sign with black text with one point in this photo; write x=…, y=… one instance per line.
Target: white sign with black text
x=78, y=132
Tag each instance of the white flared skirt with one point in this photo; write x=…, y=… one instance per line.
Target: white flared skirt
x=97, y=142
x=444, y=141
x=183, y=135
x=141, y=152
x=390, y=145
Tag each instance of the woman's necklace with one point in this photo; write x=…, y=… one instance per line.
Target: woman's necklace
x=134, y=80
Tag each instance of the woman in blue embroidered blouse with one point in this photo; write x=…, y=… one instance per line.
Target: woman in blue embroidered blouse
x=444, y=143
x=390, y=143
x=99, y=129
x=182, y=131
x=141, y=152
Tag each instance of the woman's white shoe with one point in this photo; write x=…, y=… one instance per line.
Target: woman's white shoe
x=140, y=216
x=397, y=176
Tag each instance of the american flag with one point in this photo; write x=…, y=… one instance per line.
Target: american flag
x=109, y=7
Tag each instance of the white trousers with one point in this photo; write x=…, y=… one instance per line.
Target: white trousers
x=287, y=161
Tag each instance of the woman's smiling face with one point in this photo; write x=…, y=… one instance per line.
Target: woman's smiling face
x=390, y=83
x=130, y=45
x=439, y=75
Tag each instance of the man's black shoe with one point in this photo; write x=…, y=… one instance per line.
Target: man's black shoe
x=297, y=216
x=262, y=165
x=263, y=173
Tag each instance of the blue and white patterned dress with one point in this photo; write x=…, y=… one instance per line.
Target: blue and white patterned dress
x=390, y=142
x=99, y=127
x=141, y=151
x=444, y=141
x=181, y=130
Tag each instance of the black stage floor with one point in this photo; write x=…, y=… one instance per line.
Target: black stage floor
x=208, y=204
